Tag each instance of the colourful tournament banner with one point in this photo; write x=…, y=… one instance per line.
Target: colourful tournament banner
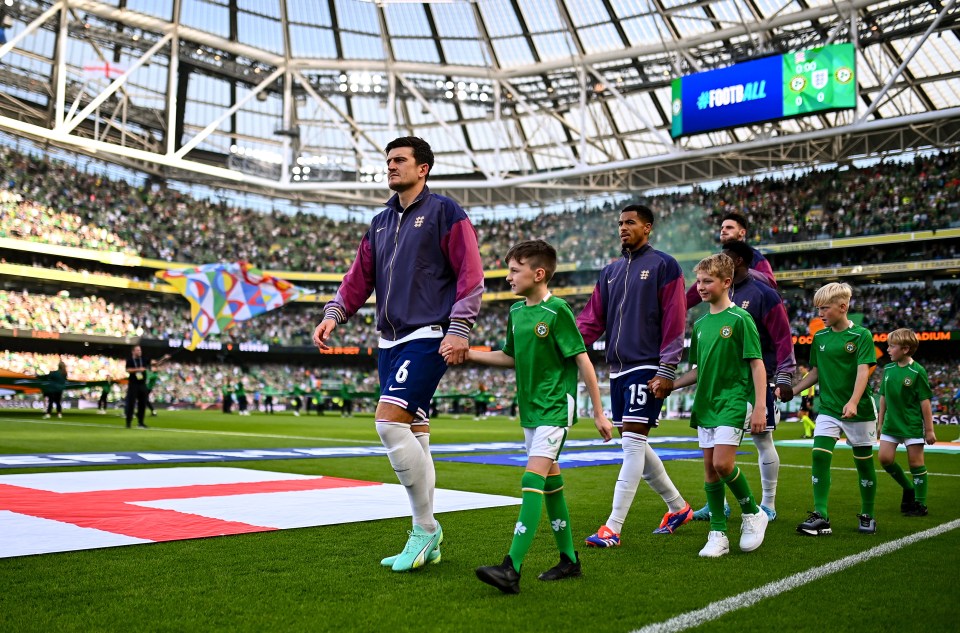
x=765, y=89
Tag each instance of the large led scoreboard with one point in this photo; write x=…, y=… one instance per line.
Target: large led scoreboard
x=765, y=89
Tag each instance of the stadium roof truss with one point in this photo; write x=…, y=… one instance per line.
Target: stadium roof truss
x=524, y=101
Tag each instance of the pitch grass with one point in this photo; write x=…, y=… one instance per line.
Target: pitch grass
x=329, y=579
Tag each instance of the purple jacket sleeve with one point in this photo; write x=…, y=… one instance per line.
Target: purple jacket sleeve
x=356, y=288
x=762, y=266
x=693, y=297
x=778, y=325
x=592, y=321
x=463, y=252
x=673, y=304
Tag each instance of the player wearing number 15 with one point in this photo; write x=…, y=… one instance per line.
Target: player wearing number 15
x=421, y=257
x=639, y=303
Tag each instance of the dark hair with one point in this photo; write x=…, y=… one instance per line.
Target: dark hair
x=741, y=250
x=421, y=149
x=643, y=212
x=738, y=218
x=536, y=254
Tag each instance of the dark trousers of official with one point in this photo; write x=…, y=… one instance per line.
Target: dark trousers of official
x=54, y=399
x=136, y=397
x=268, y=404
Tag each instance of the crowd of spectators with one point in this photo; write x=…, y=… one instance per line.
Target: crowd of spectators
x=49, y=201
x=884, y=308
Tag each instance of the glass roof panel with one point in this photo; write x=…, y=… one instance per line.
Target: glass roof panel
x=210, y=17
x=406, y=19
x=263, y=32
x=316, y=13
x=415, y=49
x=499, y=18
x=586, y=12
x=309, y=41
x=357, y=16
x=156, y=8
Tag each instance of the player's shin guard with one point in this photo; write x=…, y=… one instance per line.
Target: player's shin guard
x=737, y=483
x=430, y=473
x=867, y=474
x=715, y=493
x=634, y=452
x=896, y=471
x=769, y=468
x=920, y=484
x=659, y=481
x=559, y=515
x=822, y=457
x=406, y=457
x=531, y=508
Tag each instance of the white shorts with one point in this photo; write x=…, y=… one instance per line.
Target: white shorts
x=544, y=441
x=857, y=433
x=722, y=435
x=906, y=441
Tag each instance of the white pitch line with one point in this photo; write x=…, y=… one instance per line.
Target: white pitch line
x=230, y=433
x=720, y=608
x=807, y=467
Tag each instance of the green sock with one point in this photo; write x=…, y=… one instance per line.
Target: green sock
x=738, y=485
x=920, y=483
x=559, y=515
x=898, y=475
x=718, y=518
x=867, y=472
x=822, y=456
x=531, y=508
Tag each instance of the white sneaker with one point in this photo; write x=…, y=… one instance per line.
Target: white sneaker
x=59, y=415
x=717, y=545
x=101, y=412
x=46, y=416
x=752, y=530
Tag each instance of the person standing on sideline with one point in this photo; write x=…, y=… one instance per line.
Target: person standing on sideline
x=731, y=397
x=546, y=349
x=906, y=417
x=765, y=305
x=53, y=390
x=152, y=378
x=241, y=392
x=639, y=303
x=840, y=360
x=421, y=256
x=226, y=393
x=137, y=367
x=733, y=228
x=104, y=400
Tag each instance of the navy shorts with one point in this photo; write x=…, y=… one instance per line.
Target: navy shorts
x=773, y=411
x=410, y=373
x=632, y=401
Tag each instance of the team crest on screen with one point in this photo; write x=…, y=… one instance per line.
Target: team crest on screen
x=907, y=381
x=851, y=347
x=541, y=329
x=726, y=331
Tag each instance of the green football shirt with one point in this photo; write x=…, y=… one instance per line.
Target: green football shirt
x=543, y=340
x=836, y=355
x=903, y=389
x=721, y=348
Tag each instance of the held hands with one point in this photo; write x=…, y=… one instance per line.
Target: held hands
x=603, y=426
x=454, y=349
x=784, y=393
x=660, y=387
x=322, y=333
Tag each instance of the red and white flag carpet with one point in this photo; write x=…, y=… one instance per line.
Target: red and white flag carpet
x=58, y=512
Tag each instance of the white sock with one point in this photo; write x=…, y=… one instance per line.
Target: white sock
x=423, y=437
x=629, y=478
x=657, y=478
x=406, y=457
x=769, y=467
